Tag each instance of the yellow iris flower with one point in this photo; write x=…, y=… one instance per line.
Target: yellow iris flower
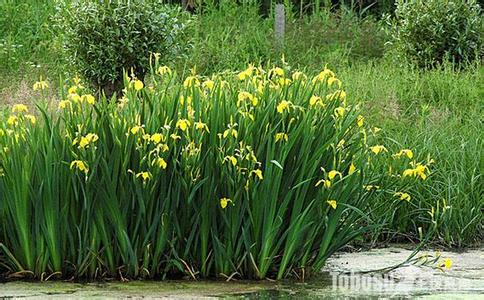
x=12, y=120
x=231, y=159
x=360, y=120
x=378, y=149
x=277, y=71
x=175, y=136
x=136, y=129
x=333, y=80
x=243, y=96
x=156, y=138
x=31, y=118
x=161, y=163
x=64, y=104
x=164, y=70
x=326, y=183
x=80, y=165
x=224, y=202
x=371, y=187
x=296, y=75
x=144, y=175
x=418, y=171
x=86, y=140
x=90, y=98
x=208, y=84
x=20, y=108
x=403, y=196
x=201, y=126
x=339, y=112
x=182, y=124
x=333, y=173
x=230, y=131
x=40, y=85
x=404, y=152
x=323, y=75
x=257, y=173
x=246, y=73
x=281, y=136
x=138, y=85
x=352, y=169
x=316, y=100
x=332, y=203
x=282, y=106
x=191, y=81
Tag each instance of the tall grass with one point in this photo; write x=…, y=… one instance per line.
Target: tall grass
x=438, y=110
x=301, y=7
x=25, y=34
x=231, y=36
x=29, y=47
x=251, y=175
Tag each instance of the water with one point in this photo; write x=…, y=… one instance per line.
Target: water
x=340, y=280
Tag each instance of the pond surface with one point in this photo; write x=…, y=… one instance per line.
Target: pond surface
x=341, y=279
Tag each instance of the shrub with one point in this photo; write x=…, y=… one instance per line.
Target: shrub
x=257, y=174
x=106, y=37
x=431, y=31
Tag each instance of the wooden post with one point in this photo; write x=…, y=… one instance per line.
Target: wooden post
x=279, y=26
x=188, y=4
x=265, y=8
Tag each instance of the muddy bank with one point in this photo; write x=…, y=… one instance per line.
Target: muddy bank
x=340, y=279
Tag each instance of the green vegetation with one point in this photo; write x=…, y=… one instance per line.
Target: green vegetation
x=210, y=177
x=437, y=112
x=430, y=32
x=25, y=36
x=104, y=38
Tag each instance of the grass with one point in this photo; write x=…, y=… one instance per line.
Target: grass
x=28, y=48
x=231, y=36
x=27, y=38
x=425, y=109
x=437, y=111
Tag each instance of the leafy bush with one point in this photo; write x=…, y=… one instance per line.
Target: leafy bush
x=106, y=37
x=257, y=174
x=431, y=31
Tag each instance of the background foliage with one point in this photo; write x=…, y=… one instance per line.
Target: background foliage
x=103, y=38
x=430, y=31
x=25, y=36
